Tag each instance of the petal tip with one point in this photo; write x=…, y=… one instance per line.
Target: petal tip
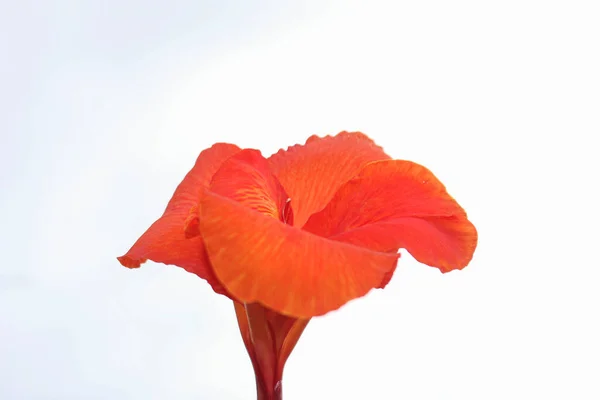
x=191, y=226
x=129, y=262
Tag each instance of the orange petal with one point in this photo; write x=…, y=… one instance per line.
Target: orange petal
x=399, y=204
x=296, y=273
x=247, y=179
x=165, y=241
x=312, y=173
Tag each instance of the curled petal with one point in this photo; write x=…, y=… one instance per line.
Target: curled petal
x=165, y=241
x=247, y=179
x=293, y=272
x=399, y=204
x=313, y=172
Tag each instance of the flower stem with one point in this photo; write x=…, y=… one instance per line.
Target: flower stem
x=263, y=394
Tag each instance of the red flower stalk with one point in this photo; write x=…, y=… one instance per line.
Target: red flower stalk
x=301, y=233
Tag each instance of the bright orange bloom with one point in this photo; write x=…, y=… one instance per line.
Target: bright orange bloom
x=301, y=233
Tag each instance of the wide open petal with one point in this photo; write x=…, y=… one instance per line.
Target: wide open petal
x=399, y=204
x=313, y=172
x=260, y=259
x=165, y=241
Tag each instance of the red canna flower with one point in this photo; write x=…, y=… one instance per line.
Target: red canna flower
x=301, y=233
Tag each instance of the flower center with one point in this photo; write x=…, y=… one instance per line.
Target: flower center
x=287, y=215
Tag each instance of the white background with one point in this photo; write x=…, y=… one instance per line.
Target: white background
x=105, y=105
